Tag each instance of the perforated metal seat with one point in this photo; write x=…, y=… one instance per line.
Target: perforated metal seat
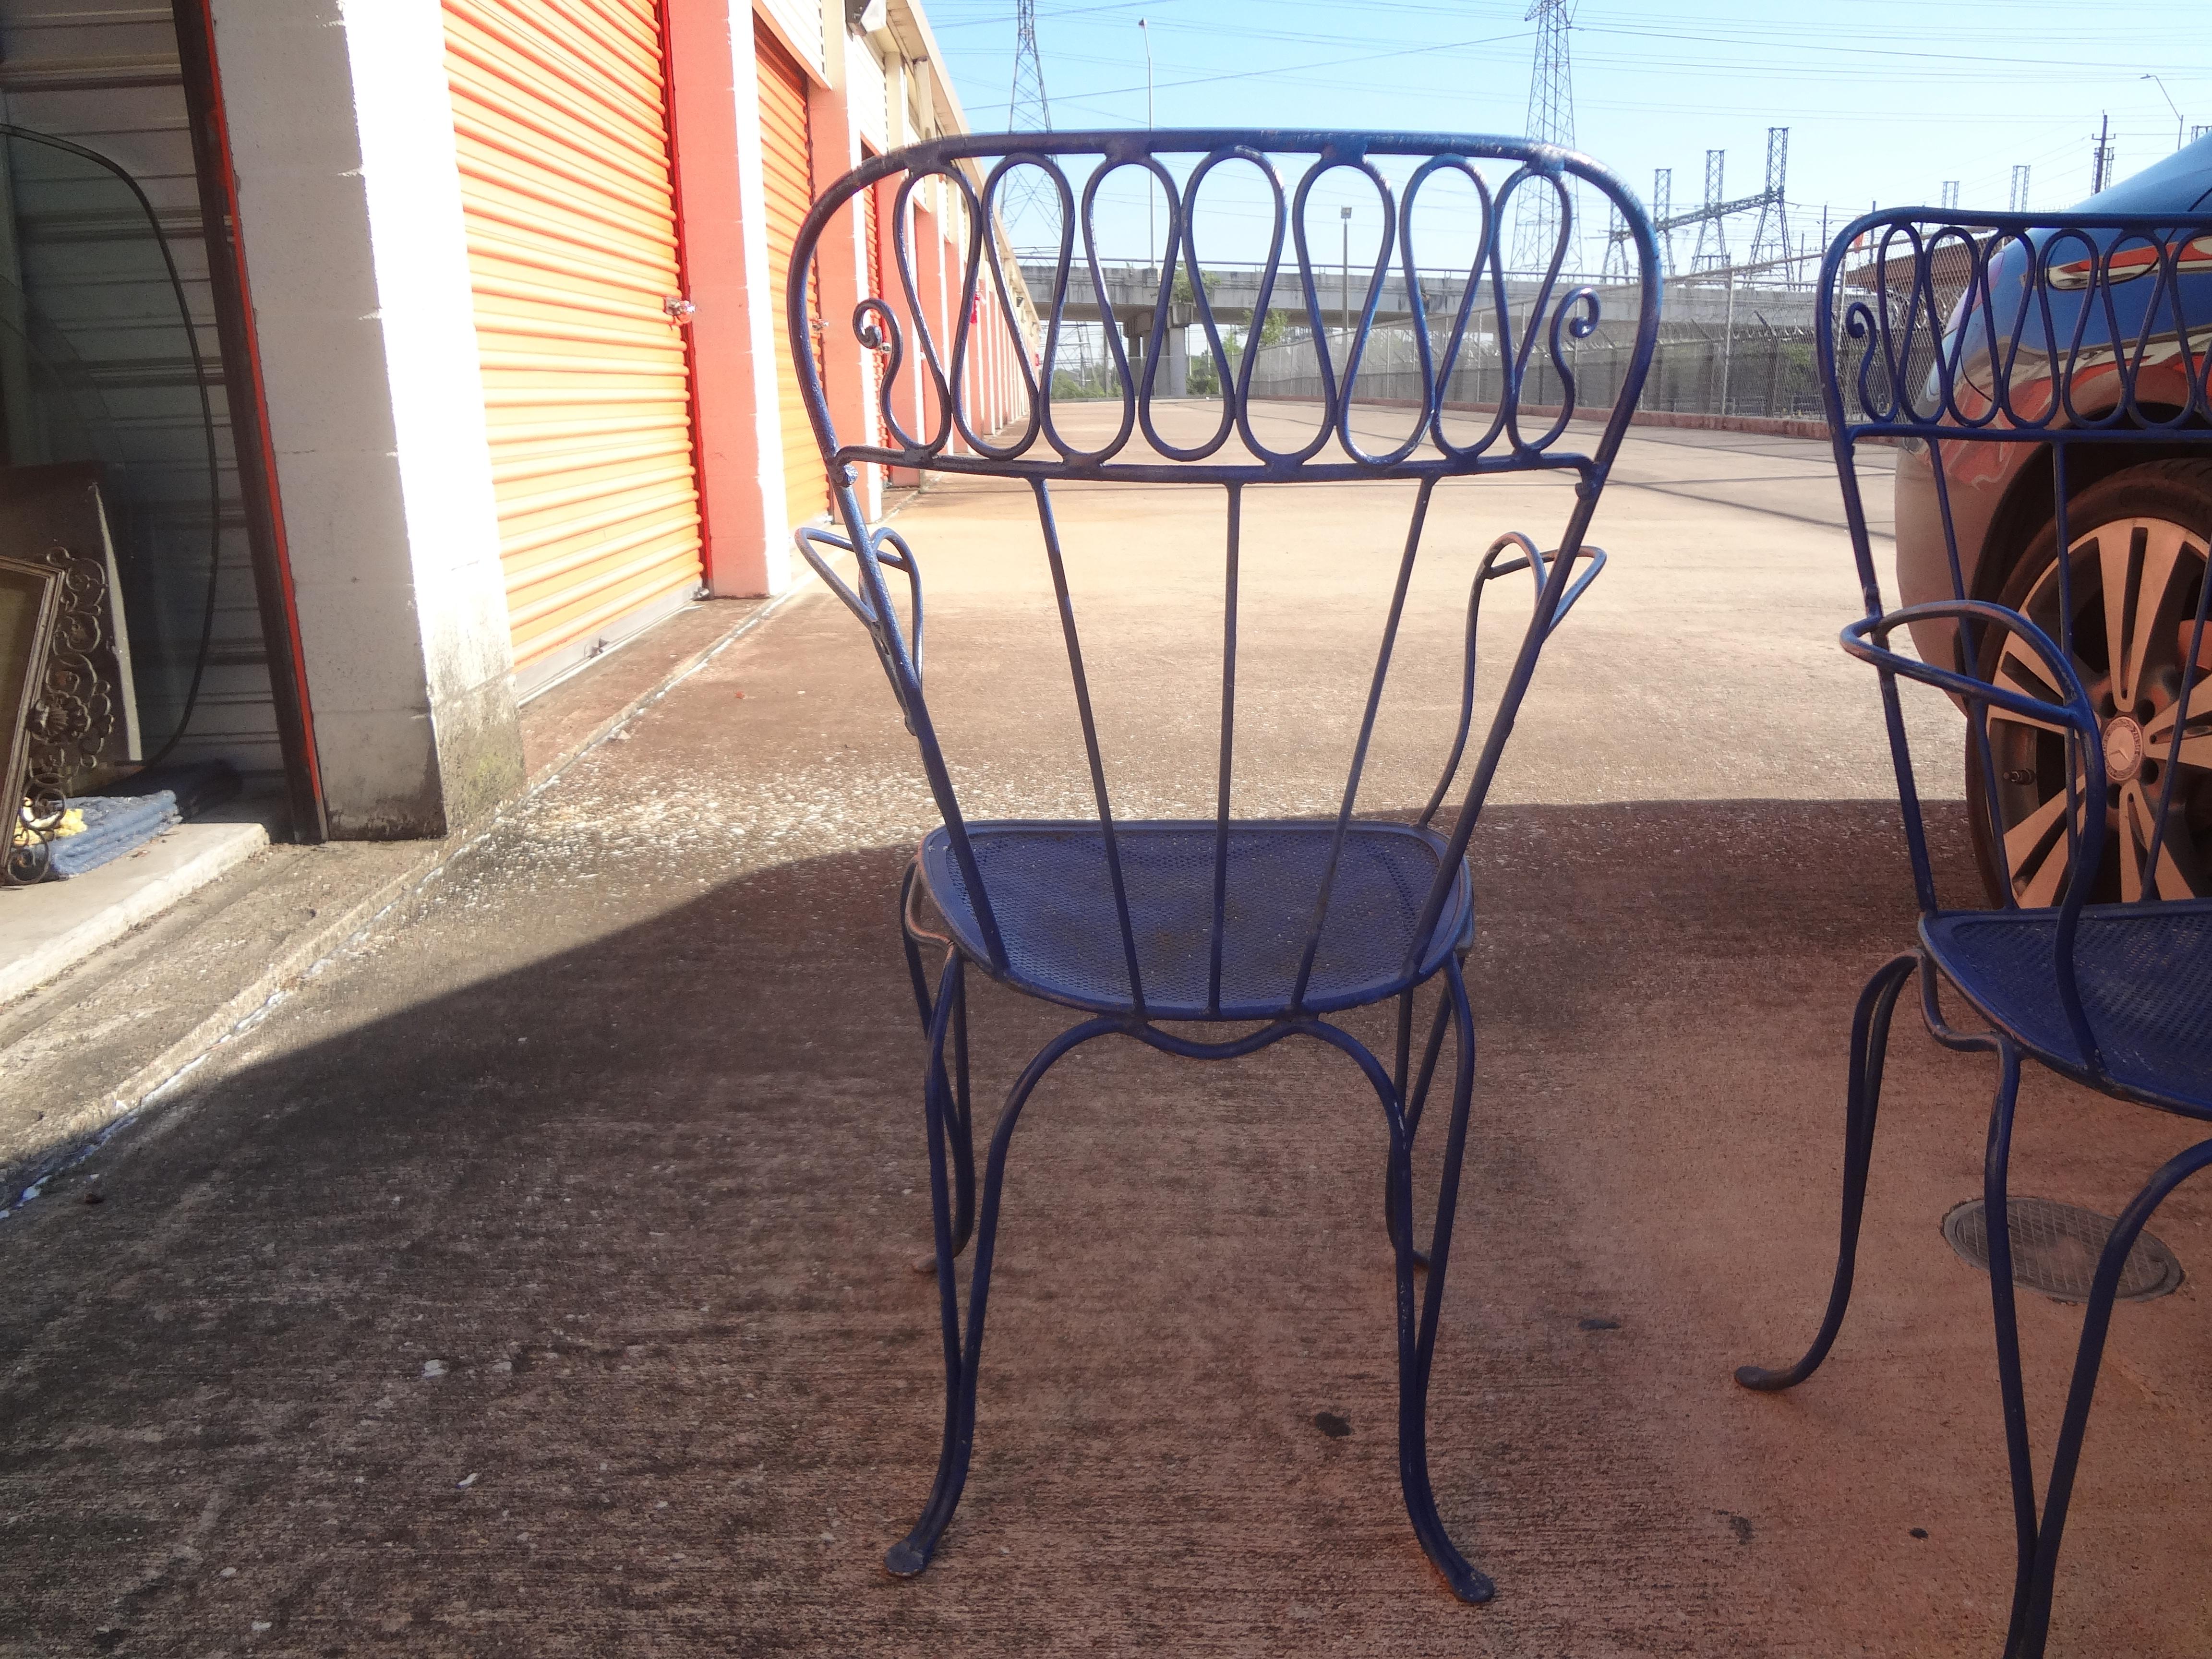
x=1052, y=893
x=2146, y=977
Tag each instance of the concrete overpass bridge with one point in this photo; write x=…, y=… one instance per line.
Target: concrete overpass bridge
x=1131, y=300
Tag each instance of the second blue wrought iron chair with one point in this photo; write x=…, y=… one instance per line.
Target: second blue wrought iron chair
x=2081, y=346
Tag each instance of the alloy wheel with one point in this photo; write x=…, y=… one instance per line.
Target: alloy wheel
x=2132, y=588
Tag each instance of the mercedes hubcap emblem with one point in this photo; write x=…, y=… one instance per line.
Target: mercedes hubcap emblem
x=2124, y=749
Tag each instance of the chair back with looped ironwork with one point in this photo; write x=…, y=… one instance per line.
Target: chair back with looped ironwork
x=1488, y=366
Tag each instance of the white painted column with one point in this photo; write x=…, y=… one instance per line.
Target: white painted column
x=350, y=217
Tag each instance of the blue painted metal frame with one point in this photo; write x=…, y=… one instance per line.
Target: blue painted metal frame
x=988, y=924
x=2045, y=306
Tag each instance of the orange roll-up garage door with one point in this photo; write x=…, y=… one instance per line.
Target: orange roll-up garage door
x=786, y=162
x=561, y=114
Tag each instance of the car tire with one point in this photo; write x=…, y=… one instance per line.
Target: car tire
x=2146, y=533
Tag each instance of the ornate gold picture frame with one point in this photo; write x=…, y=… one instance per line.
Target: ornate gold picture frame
x=30, y=602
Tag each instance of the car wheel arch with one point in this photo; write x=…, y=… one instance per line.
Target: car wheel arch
x=2024, y=510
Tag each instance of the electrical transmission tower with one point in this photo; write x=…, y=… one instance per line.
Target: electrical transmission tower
x=2018, y=203
x=1770, y=241
x=1025, y=196
x=1620, y=264
x=1712, y=225
x=1950, y=194
x=1551, y=121
x=1616, y=268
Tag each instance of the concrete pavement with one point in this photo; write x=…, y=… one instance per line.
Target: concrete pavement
x=537, y=1279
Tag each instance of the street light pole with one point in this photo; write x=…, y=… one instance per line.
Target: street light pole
x=1344, y=271
x=1151, y=256
x=2163, y=92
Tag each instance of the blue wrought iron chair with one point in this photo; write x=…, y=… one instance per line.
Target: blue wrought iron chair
x=2067, y=391
x=1271, y=925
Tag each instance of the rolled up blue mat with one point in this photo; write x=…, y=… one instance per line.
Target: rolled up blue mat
x=113, y=825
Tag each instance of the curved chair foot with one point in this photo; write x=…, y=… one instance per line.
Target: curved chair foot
x=1471, y=1585
x=905, y=1560
x=1869, y=1045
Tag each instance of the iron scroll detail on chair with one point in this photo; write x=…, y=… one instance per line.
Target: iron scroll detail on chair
x=1271, y=924
x=2073, y=336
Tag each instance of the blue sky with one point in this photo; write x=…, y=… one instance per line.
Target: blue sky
x=1885, y=98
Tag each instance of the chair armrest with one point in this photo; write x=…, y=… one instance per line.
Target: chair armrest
x=1500, y=559
x=1576, y=589
x=885, y=546
x=1867, y=639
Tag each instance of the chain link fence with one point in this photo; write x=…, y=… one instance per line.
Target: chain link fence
x=1739, y=349
x=1741, y=366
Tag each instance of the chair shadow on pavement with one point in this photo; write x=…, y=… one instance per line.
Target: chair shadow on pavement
x=574, y=1309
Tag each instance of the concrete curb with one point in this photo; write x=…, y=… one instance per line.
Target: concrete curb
x=197, y=853
x=74, y=1131
x=681, y=670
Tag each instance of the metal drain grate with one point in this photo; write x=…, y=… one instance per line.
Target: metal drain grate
x=2055, y=1249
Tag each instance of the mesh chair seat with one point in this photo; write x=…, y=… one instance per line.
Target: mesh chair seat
x=2145, y=972
x=1051, y=892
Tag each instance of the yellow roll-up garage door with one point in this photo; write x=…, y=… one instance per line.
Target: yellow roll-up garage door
x=561, y=114
x=786, y=162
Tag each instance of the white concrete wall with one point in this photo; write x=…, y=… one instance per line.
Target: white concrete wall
x=351, y=214
x=805, y=28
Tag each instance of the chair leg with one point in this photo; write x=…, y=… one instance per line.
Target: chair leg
x=1869, y=1047
x=1415, y=1102
x=2004, y=1305
x=1417, y=1344
x=963, y=1354
x=2032, y=1600
x=954, y=1090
